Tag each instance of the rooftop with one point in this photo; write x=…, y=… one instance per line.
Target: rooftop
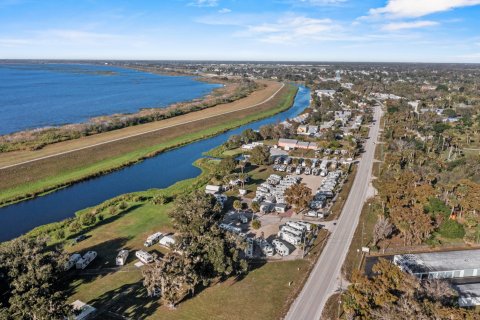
x=441, y=261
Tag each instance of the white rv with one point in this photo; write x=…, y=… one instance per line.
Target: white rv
x=280, y=247
x=144, y=256
x=290, y=238
x=72, y=261
x=86, y=259
x=296, y=225
x=152, y=239
x=121, y=258
x=292, y=230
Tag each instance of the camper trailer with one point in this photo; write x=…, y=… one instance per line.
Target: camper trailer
x=167, y=241
x=144, y=256
x=289, y=237
x=267, y=248
x=121, y=258
x=249, y=249
x=280, y=247
x=86, y=259
x=292, y=230
x=296, y=225
x=152, y=239
x=72, y=261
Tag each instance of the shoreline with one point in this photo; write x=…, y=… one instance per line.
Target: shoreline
x=32, y=139
x=287, y=101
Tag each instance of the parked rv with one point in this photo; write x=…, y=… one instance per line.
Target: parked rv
x=152, y=239
x=121, y=258
x=144, y=256
x=280, y=247
x=72, y=261
x=86, y=260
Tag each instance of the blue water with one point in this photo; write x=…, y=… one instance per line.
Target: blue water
x=157, y=172
x=39, y=95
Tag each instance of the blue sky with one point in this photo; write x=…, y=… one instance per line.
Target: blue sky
x=294, y=30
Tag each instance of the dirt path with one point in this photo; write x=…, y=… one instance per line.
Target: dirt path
x=17, y=158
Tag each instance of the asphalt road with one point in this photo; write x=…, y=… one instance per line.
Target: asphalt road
x=324, y=279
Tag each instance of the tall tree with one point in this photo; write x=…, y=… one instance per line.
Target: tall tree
x=32, y=271
x=299, y=196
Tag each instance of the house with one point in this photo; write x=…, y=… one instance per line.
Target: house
x=280, y=207
x=312, y=130
x=289, y=237
x=287, y=144
x=325, y=93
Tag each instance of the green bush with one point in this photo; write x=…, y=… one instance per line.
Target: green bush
x=88, y=219
x=256, y=224
x=451, y=229
x=75, y=226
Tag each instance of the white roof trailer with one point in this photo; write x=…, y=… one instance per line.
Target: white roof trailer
x=144, y=256
x=292, y=230
x=280, y=247
x=121, y=258
x=167, y=241
x=290, y=238
x=86, y=259
x=152, y=239
x=296, y=226
x=72, y=261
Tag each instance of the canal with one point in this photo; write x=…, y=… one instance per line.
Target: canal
x=160, y=171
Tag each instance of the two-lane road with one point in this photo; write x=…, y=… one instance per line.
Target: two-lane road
x=324, y=278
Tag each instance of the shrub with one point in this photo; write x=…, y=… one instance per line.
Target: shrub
x=59, y=234
x=75, y=226
x=88, y=219
x=256, y=224
x=451, y=229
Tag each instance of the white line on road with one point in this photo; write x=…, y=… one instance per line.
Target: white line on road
x=141, y=133
x=324, y=278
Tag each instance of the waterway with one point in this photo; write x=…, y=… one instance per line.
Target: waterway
x=40, y=95
x=160, y=171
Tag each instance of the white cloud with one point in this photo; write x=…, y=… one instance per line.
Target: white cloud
x=204, y=3
x=291, y=29
x=419, y=8
x=320, y=2
x=224, y=10
x=395, y=26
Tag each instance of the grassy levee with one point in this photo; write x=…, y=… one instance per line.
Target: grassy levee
x=47, y=175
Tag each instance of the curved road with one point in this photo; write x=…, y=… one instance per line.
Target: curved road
x=145, y=132
x=324, y=278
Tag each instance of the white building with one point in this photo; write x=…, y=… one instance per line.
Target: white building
x=121, y=258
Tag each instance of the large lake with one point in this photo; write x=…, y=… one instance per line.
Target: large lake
x=160, y=171
x=39, y=95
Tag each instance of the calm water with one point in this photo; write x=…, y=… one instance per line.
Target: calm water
x=36, y=95
x=157, y=172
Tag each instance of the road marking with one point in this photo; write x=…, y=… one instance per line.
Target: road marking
x=141, y=133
